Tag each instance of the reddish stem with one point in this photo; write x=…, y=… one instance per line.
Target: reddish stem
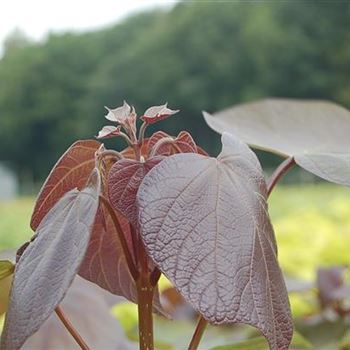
x=197, y=336
x=145, y=291
x=123, y=242
x=70, y=328
x=278, y=173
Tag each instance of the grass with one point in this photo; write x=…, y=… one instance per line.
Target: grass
x=312, y=225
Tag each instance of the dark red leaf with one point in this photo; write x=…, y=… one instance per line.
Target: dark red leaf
x=48, y=265
x=124, y=180
x=204, y=222
x=104, y=262
x=183, y=143
x=71, y=171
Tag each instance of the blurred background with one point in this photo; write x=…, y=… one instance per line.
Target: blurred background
x=62, y=62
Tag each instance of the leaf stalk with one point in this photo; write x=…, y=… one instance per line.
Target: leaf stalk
x=77, y=337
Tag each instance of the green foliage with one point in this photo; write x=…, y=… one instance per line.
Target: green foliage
x=196, y=56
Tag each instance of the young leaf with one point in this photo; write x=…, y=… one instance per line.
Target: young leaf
x=204, y=222
x=124, y=180
x=71, y=171
x=124, y=115
x=157, y=113
x=48, y=265
x=315, y=133
x=183, y=142
x=109, y=131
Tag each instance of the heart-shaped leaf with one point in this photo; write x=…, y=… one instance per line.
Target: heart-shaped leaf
x=71, y=171
x=124, y=180
x=48, y=265
x=315, y=133
x=204, y=222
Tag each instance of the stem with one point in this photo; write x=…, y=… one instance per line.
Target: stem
x=145, y=292
x=124, y=244
x=110, y=152
x=197, y=336
x=275, y=177
x=164, y=141
x=70, y=328
x=142, y=132
x=278, y=173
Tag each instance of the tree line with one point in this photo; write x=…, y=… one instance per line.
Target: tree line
x=196, y=56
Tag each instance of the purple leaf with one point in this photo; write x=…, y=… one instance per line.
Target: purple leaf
x=87, y=308
x=124, y=180
x=204, y=222
x=48, y=265
x=315, y=133
x=105, y=262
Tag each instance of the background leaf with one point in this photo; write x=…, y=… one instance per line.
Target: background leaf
x=6, y=273
x=204, y=222
x=87, y=308
x=48, y=265
x=6, y=268
x=315, y=133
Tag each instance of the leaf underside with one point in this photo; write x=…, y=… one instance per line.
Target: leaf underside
x=315, y=133
x=204, y=222
x=48, y=265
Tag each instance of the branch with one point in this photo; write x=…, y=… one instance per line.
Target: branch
x=278, y=173
x=71, y=329
x=197, y=335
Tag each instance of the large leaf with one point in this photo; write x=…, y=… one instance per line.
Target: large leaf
x=86, y=307
x=204, y=222
x=48, y=265
x=315, y=133
x=124, y=180
x=71, y=171
x=104, y=262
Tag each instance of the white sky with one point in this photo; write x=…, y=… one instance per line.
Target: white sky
x=38, y=17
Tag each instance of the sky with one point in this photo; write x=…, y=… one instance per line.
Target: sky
x=37, y=18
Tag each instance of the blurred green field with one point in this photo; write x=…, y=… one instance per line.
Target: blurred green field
x=312, y=224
